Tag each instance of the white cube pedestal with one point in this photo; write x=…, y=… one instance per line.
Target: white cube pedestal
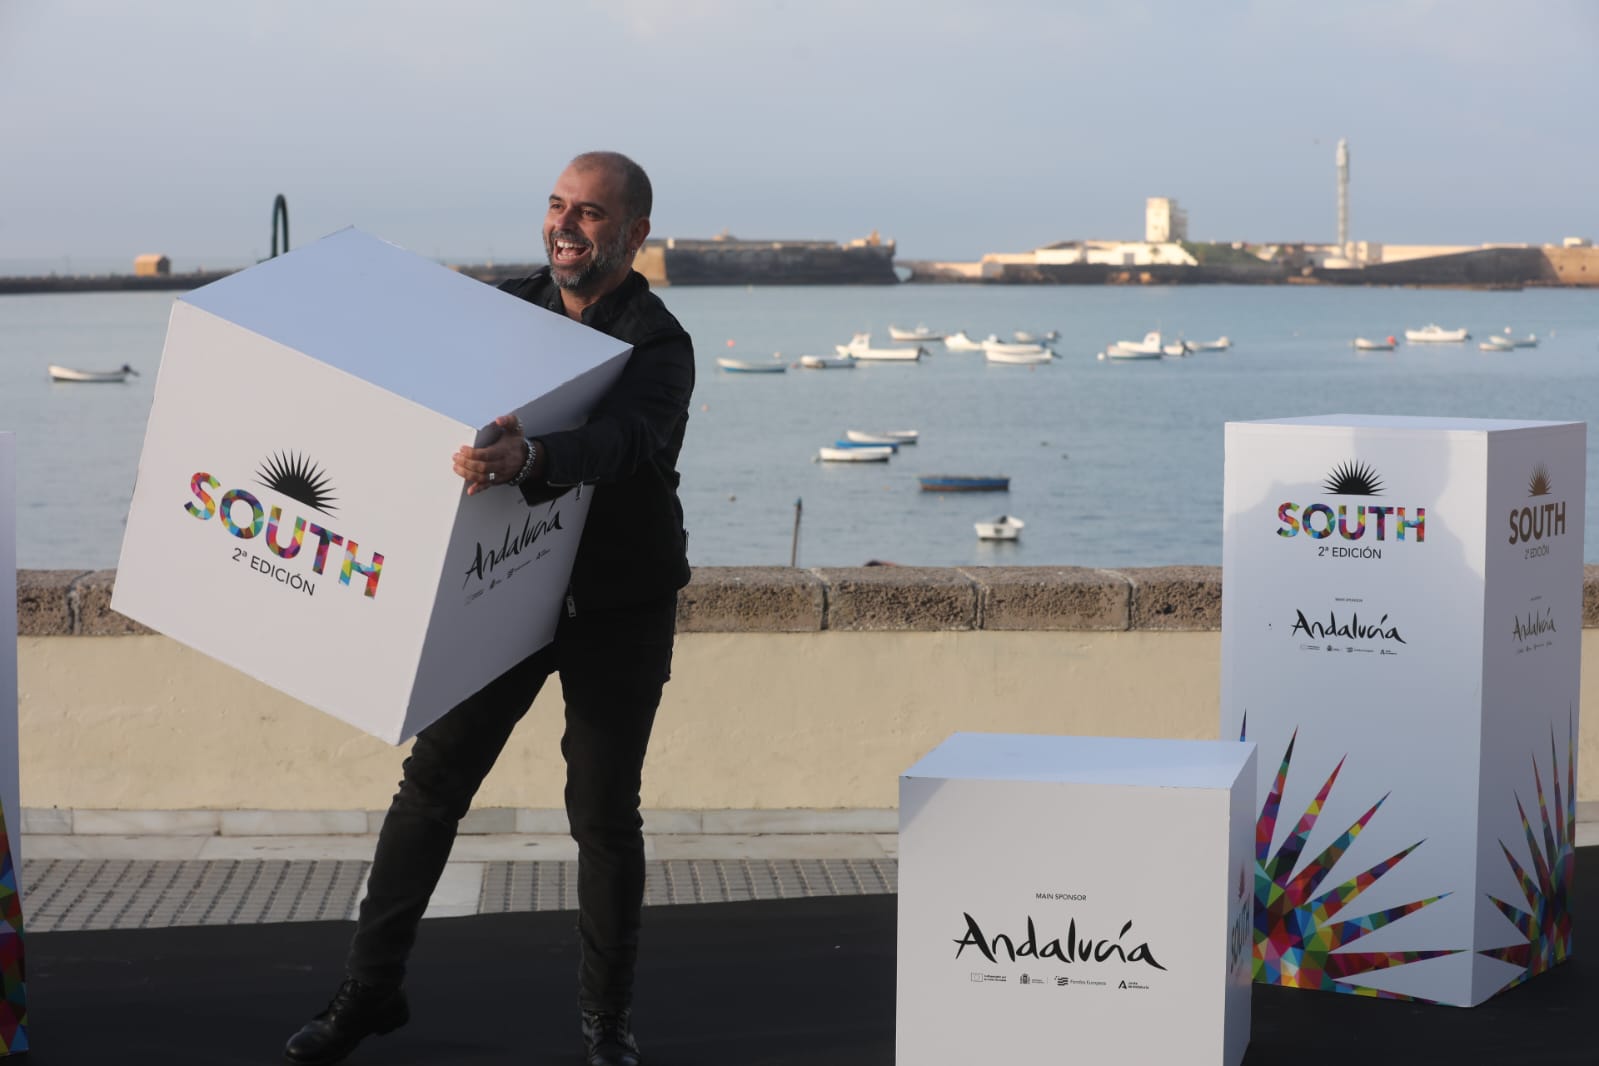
x=1083, y=899
x=296, y=515
x=1401, y=637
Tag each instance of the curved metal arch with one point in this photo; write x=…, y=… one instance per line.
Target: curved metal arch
x=280, y=212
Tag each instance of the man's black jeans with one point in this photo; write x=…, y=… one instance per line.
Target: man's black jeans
x=613, y=664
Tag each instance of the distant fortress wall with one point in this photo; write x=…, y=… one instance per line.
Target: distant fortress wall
x=1574, y=266
x=651, y=262
x=736, y=262
x=1478, y=267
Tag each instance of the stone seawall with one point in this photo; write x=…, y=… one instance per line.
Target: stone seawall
x=54, y=603
x=774, y=599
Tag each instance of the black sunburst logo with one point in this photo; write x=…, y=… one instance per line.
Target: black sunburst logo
x=1539, y=485
x=298, y=478
x=1353, y=479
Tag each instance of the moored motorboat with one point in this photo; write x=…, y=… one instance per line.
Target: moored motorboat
x=920, y=333
x=855, y=455
x=67, y=373
x=845, y=442
x=827, y=362
x=960, y=342
x=1023, y=336
x=860, y=347
x=1149, y=348
x=964, y=483
x=1366, y=345
x=887, y=436
x=1005, y=527
x=1497, y=343
x=746, y=366
x=1010, y=358
x=1433, y=333
x=1220, y=344
x=1121, y=354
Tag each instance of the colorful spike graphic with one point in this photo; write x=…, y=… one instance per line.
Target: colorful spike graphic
x=1547, y=925
x=13, y=974
x=1297, y=939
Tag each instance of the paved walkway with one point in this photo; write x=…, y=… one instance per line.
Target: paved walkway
x=84, y=881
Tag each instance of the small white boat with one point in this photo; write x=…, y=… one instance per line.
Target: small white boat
x=1220, y=344
x=887, y=436
x=1436, y=334
x=993, y=347
x=1005, y=527
x=1497, y=343
x=827, y=362
x=1009, y=358
x=746, y=366
x=67, y=373
x=855, y=455
x=920, y=333
x=1124, y=355
x=1151, y=345
x=1176, y=350
x=1024, y=337
x=960, y=342
x=1529, y=341
x=1364, y=344
x=860, y=347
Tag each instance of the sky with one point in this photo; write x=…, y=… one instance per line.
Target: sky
x=953, y=127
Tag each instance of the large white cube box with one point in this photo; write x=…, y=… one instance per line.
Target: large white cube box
x=1401, y=637
x=1082, y=899
x=296, y=515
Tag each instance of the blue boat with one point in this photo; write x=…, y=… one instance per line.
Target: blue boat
x=964, y=483
x=866, y=444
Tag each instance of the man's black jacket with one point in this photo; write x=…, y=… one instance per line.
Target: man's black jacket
x=634, y=547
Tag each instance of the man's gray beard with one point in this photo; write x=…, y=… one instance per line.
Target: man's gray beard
x=603, y=261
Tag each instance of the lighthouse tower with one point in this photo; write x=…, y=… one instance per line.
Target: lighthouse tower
x=1343, y=197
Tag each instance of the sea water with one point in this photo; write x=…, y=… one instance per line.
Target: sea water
x=1110, y=463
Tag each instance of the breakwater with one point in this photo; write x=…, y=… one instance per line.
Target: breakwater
x=110, y=282
x=821, y=263
x=1486, y=268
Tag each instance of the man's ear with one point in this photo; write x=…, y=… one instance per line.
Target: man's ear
x=637, y=232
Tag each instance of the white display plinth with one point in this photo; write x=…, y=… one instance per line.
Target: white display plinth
x=13, y=991
x=296, y=515
x=1082, y=899
x=1401, y=636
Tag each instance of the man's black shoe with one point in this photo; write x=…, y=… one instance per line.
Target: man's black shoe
x=357, y=1011
x=608, y=1039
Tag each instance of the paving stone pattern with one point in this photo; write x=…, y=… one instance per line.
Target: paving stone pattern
x=70, y=894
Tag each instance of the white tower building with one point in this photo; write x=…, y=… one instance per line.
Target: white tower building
x=1164, y=220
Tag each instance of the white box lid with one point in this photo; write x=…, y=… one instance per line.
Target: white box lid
x=393, y=318
x=1160, y=763
x=1406, y=422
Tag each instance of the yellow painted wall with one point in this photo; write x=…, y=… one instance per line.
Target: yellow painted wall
x=817, y=720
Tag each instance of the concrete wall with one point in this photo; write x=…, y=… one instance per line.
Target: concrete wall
x=792, y=690
x=1574, y=266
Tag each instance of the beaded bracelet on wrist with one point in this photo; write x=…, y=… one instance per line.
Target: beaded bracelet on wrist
x=527, y=467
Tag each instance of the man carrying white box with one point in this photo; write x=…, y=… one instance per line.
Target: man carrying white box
x=612, y=647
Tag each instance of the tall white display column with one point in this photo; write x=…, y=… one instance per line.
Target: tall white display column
x=13, y=992
x=1401, y=637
